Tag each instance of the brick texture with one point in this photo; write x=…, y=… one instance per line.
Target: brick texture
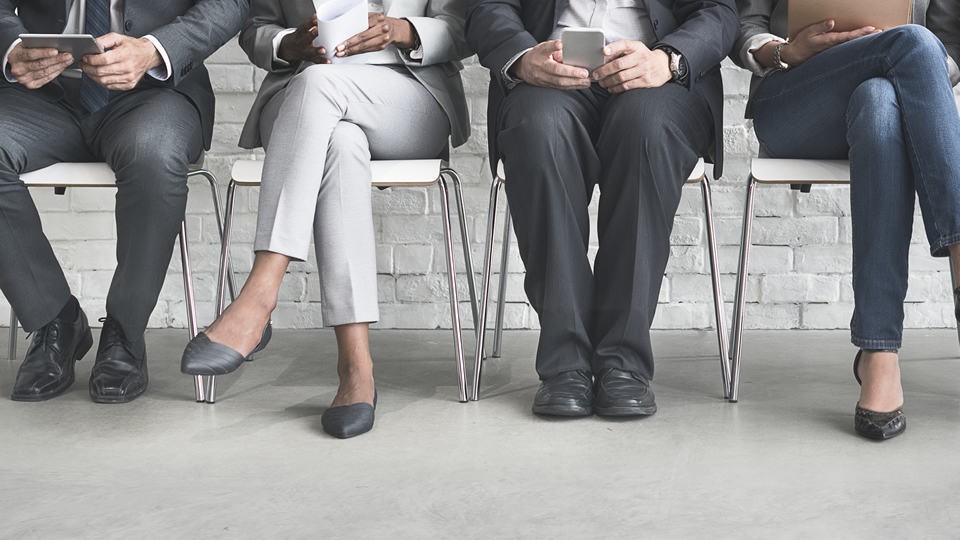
x=800, y=263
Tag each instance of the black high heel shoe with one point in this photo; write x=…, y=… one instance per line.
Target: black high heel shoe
x=878, y=426
x=205, y=357
x=348, y=421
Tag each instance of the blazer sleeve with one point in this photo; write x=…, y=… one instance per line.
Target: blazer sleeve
x=256, y=39
x=943, y=19
x=497, y=34
x=754, y=21
x=190, y=38
x=706, y=33
x=441, y=32
x=10, y=25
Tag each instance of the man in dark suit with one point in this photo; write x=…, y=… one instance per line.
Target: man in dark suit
x=636, y=127
x=145, y=106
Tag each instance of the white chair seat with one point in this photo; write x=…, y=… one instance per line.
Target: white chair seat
x=800, y=171
x=695, y=175
x=386, y=173
x=71, y=175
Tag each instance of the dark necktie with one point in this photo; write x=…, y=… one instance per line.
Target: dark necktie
x=96, y=23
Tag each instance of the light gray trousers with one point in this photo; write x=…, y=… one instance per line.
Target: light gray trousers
x=320, y=134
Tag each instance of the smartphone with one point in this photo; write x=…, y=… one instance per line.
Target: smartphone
x=583, y=47
x=76, y=44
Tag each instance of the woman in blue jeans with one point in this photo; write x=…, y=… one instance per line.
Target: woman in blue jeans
x=883, y=100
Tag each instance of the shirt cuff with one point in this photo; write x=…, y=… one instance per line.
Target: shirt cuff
x=510, y=80
x=753, y=44
x=160, y=73
x=276, y=46
x=7, y=74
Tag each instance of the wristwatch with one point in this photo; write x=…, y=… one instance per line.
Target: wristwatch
x=678, y=65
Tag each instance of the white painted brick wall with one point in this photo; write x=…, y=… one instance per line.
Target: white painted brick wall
x=800, y=263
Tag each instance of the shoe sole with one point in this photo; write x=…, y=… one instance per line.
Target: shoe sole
x=625, y=411
x=112, y=400
x=82, y=349
x=566, y=412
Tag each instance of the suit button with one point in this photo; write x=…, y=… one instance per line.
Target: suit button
x=656, y=23
x=128, y=26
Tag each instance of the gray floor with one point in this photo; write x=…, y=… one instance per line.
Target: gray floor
x=780, y=464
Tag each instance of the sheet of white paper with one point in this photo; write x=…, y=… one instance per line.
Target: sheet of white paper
x=338, y=20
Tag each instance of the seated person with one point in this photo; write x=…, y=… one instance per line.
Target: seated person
x=636, y=127
x=883, y=100
x=145, y=107
x=320, y=123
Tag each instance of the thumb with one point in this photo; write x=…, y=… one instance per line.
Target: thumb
x=110, y=41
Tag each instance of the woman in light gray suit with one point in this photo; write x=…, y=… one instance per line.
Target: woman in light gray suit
x=884, y=101
x=399, y=97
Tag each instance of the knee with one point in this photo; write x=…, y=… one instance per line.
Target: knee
x=155, y=160
x=531, y=116
x=873, y=108
x=317, y=81
x=915, y=39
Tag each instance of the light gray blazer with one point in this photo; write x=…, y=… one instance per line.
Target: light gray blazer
x=439, y=23
x=942, y=17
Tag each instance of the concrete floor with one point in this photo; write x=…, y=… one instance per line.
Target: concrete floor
x=783, y=463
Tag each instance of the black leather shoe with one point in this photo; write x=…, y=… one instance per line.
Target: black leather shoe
x=205, y=357
x=623, y=393
x=566, y=394
x=878, y=426
x=47, y=370
x=349, y=420
x=120, y=372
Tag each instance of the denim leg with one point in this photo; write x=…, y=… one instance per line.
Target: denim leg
x=881, y=197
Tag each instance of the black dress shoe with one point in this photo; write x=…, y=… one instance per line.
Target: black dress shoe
x=348, y=421
x=878, y=426
x=623, y=393
x=47, y=370
x=120, y=372
x=566, y=394
x=205, y=357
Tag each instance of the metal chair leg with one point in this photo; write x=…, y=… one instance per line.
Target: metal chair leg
x=485, y=286
x=736, y=337
x=13, y=335
x=223, y=270
x=465, y=239
x=189, y=300
x=502, y=286
x=717, y=293
x=452, y=279
x=218, y=213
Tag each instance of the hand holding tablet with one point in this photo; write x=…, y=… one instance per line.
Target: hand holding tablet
x=41, y=58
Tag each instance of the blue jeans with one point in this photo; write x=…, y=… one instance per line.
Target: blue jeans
x=885, y=103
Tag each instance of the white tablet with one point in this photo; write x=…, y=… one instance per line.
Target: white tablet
x=848, y=14
x=76, y=44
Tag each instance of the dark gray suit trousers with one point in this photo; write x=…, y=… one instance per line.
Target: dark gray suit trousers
x=149, y=137
x=639, y=147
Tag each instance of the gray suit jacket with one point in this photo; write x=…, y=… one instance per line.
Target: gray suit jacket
x=702, y=30
x=439, y=23
x=942, y=17
x=189, y=30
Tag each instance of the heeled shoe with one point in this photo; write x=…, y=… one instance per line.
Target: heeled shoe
x=348, y=421
x=879, y=426
x=205, y=357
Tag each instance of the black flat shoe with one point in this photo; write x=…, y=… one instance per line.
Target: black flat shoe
x=566, y=394
x=47, y=370
x=205, y=357
x=120, y=372
x=348, y=421
x=878, y=426
x=623, y=393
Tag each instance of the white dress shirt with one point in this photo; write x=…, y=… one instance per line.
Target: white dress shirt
x=75, y=26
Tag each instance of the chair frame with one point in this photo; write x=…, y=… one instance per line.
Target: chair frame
x=196, y=170
x=829, y=176
x=498, y=181
x=225, y=275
